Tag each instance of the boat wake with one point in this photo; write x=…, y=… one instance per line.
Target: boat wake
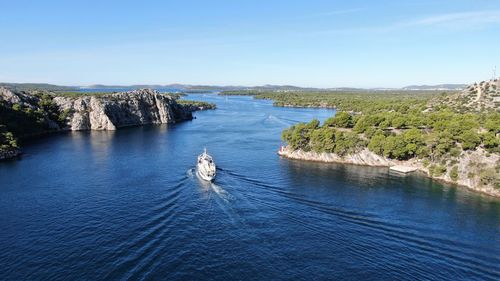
x=208, y=186
x=418, y=239
x=280, y=120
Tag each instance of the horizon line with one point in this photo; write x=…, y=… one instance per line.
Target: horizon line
x=237, y=85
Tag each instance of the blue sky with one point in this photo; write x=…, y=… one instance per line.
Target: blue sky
x=305, y=43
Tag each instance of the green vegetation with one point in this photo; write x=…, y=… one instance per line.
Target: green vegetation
x=76, y=94
x=355, y=101
x=490, y=177
x=7, y=139
x=454, y=173
x=37, y=115
x=31, y=119
x=241, y=93
x=434, y=134
x=400, y=127
x=198, y=104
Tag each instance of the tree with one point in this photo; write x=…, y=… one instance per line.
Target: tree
x=323, y=140
x=395, y=147
x=414, y=140
x=470, y=140
x=490, y=141
x=493, y=123
x=347, y=143
x=398, y=122
x=376, y=143
x=341, y=120
x=362, y=125
x=384, y=124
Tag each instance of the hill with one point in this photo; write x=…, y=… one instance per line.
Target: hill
x=36, y=86
x=440, y=87
x=477, y=97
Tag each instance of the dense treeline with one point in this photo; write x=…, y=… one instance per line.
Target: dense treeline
x=398, y=136
x=363, y=101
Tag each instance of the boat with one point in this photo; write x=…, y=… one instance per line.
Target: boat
x=205, y=168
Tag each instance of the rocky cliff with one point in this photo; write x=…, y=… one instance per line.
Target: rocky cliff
x=24, y=114
x=132, y=108
x=468, y=174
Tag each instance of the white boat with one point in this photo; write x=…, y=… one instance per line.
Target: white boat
x=205, y=168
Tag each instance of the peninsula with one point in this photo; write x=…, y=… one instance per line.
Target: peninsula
x=453, y=137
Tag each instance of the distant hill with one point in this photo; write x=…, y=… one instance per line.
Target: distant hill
x=36, y=86
x=195, y=88
x=440, y=87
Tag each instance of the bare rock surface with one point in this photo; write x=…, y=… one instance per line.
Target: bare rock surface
x=117, y=110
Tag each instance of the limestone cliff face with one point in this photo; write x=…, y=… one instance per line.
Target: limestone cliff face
x=468, y=163
x=112, y=111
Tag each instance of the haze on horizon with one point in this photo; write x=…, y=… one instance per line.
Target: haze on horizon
x=302, y=43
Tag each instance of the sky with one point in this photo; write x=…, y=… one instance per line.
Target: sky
x=305, y=43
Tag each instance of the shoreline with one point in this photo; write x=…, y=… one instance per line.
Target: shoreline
x=367, y=158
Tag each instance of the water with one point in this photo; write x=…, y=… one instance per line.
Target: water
x=127, y=205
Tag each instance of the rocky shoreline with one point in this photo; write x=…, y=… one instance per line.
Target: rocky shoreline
x=368, y=158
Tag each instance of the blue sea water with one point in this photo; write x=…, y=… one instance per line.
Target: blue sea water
x=126, y=205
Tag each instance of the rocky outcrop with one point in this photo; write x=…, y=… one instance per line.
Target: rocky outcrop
x=113, y=111
x=468, y=166
x=364, y=157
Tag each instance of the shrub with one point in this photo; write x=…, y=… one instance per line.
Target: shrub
x=454, y=173
x=16, y=107
x=437, y=170
x=489, y=177
x=455, y=152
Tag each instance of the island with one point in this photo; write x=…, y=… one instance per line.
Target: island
x=28, y=113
